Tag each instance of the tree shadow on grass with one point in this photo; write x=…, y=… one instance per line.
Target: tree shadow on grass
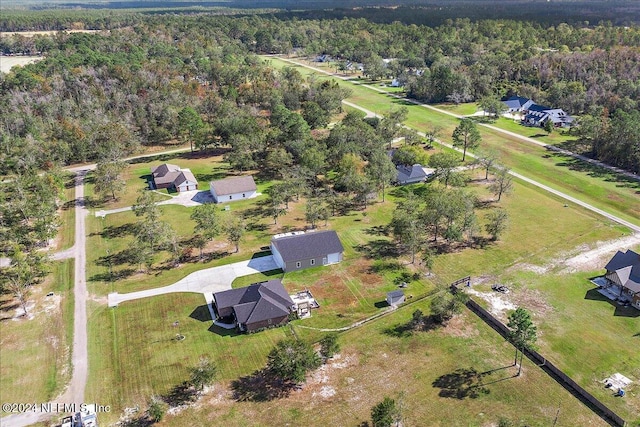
x=379, y=248
x=118, y=258
x=261, y=386
x=425, y=324
x=114, y=276
x=378, y=230
x=119, y=231
x=181, y=394
x=460, y=384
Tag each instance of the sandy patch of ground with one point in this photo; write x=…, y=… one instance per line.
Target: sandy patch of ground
x=532, y=299
x=533, y=268
x=593, y=258
x=582, y=258
x=499, y=304
x=8, y=62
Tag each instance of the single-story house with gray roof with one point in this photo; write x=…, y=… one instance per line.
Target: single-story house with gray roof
x=298, y=250
x=623, y=270
x=257, y=306
x=171, y=176
x=412, y=174
x=235, y=188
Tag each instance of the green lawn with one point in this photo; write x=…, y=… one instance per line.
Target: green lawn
x=36, y=359
x=205, y=167
x=591, y=184
x=541, y=228
x=376, y=360
x=582, y=332
x=133, y=354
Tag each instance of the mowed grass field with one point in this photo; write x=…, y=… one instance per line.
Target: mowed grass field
x=135, y=347
x=591, y=184
x=133, y=352
x=36, y=358
x=347, y=292
x=580, y=331
x=206, y=167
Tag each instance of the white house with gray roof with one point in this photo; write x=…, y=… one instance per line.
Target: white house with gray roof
x=298, y=250
x=231, y=189
x=412, y=174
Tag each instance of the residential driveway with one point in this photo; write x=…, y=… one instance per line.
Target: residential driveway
x=186, y=198
x=206, y=281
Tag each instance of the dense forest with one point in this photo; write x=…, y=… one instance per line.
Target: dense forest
x=134, y=79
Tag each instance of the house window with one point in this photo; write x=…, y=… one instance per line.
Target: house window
x=313, y=262
x=298, y=264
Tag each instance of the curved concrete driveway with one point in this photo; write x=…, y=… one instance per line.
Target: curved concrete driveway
x=205, y=281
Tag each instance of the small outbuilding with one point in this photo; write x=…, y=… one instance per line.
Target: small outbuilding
x=395, y=298
x=298, y=250
x=231, y=189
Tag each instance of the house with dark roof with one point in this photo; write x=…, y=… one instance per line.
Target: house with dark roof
x=518, y=104
x=257, y=306
x=412, y=174
x=236, y=188
x=298, y=250
x=623, y=272
x=538, y=115
x=171, y=176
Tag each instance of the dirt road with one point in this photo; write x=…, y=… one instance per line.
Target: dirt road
x=74, y=392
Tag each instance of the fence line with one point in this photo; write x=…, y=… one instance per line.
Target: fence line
x=554, y=372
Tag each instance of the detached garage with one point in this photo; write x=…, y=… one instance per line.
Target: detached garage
x=298, y=250
x=231, y=189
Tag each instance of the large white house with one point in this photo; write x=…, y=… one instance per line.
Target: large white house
x=231, y=189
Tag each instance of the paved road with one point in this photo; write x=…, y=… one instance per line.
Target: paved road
x=517, y=175
x=92, y=166
x=79, y=360
x=79, y=355
x=458, y=116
